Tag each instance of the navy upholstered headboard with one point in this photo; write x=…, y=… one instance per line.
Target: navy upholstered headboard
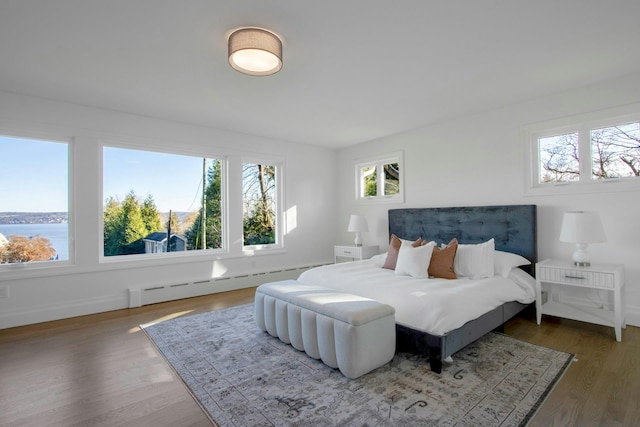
x=512, y=226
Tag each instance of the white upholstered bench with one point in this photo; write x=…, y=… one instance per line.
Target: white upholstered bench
x=348, y=332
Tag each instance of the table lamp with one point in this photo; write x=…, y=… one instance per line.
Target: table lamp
x=581, y=228
x=358, y=224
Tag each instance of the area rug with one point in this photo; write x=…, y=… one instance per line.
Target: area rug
x=242, y=376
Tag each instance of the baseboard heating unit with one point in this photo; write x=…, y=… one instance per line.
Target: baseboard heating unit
x=169, y=292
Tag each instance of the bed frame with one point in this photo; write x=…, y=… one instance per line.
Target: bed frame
x=514, y=229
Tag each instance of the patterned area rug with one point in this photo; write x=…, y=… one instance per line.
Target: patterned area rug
x=242, y=376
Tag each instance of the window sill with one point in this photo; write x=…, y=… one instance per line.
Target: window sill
x=380, y=199
x=21, y=271
x=606, y=186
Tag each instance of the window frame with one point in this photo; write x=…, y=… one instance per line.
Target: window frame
x=278, y=164
x=582, y=125
x=52, y=137
x=379, y=162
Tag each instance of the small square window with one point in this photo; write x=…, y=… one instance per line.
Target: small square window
x=380, y=179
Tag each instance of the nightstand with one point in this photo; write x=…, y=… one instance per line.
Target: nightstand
x=355, y=252
x=554, y=276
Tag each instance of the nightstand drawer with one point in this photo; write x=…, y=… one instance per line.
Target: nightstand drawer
x=348, y=251
x=577, y=277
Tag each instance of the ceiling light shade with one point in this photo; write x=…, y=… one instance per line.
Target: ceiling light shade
x=255, y=51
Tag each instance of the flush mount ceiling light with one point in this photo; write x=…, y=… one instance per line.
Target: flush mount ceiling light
x=255, y=51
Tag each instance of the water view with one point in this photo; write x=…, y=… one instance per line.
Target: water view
x=57, y=234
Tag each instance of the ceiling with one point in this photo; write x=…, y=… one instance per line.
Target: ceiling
x=354, y=70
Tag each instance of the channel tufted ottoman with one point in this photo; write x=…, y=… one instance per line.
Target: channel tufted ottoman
x=345, y=331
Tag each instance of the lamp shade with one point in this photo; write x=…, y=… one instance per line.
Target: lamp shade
x=582, y=227
x=358, y=224
x=255, y=51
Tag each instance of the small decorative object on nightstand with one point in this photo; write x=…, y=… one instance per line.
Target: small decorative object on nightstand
x=553, y=276
x=355, y=252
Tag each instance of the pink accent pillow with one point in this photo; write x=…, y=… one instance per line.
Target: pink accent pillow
x=394, y=248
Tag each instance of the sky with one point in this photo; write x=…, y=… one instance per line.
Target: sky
x=174, y=181
x=34, y=177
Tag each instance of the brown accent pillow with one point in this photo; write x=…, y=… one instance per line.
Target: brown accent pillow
x=394, y=249
x=441, y=264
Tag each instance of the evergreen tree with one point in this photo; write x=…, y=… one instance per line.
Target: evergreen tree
x=150, y=215
x=134, y=227
x=213, y=196
x=127, y=223
x=113, y=226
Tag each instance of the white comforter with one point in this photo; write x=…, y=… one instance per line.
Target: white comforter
x=435, y=306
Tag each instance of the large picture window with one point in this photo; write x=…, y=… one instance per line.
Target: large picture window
x=160, y=202
x=260, y=204
x=34, y=201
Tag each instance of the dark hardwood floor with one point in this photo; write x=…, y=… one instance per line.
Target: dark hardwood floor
x=102, y=370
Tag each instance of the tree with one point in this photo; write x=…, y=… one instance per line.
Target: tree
x=150, y=215
x=391, y=179
x=113, y=226
x=371, y=181
x=26, y=249
x=615, y=152
x=560, y=159
x=259, y=200
x=134, y=226
x=127, y=223
x=213, y=212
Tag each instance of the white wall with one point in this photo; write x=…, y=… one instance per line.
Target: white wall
x=89, y=286
x=480, y=160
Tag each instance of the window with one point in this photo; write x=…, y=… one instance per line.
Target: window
x=615, y=151
x=260, y=204
x=379, y=179
x=586, y=153
x=158, y=202
x=559, y=160
x=34, y=201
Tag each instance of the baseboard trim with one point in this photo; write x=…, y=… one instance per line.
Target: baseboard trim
x=136, y=297
x=48, y=312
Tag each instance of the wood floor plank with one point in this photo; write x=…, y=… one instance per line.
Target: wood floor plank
x=102, y=370
x=600, y=388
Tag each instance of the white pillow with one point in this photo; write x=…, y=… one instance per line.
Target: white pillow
x=504, y=262
x=475, y=261
x=412, y=261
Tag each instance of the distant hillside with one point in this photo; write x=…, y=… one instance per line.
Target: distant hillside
x=186, y=218
x=33, y=217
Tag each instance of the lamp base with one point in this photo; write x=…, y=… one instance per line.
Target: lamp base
x=580, y=255
x=582, y=263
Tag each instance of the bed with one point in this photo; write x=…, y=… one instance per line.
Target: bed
x=423, y=323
